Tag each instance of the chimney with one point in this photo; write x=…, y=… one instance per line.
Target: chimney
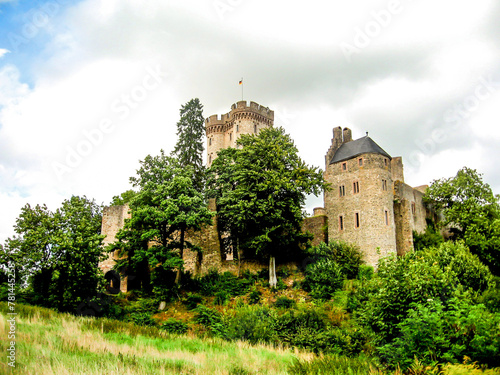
x=347, y=135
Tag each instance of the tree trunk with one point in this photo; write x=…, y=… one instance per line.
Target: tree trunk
x=181, y=254
x=273, y=281
x=238, y=255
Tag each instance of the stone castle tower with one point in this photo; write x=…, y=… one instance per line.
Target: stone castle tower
x=369, y=203
x=242, y=119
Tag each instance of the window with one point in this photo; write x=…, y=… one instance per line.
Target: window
x=230, y=136
x=341, y=222
x=209, y=159
x=210, y=141
x=360, y=162
x=356, y=219
x=413, y=208
x=344, y=166
x=255, y=128
x=386, y=217
x=341, y=191
x=237, y=127
x=384, y=184
x=385, y=162
x=355, y=187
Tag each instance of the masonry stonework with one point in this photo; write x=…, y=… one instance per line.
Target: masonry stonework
x=222, y=132
x=369, y=203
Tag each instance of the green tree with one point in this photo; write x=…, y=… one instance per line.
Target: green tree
x=59, y=251
x=260, y=189
x=472, y=211
x=123, y=198
x=191, y=133
x=165, y=207
x=430, y=274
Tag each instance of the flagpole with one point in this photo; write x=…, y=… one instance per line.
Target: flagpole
x=242, y=88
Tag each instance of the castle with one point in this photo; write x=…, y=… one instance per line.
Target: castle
x=368, y=204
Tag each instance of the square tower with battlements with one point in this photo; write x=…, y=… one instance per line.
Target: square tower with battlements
x=223, y=131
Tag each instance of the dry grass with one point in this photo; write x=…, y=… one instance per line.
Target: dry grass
x=63, y=344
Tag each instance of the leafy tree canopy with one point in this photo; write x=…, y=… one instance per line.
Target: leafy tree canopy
x=58, y=252
x=123, y=198
x=260, y=189
x=472, y=211
x=165, y=207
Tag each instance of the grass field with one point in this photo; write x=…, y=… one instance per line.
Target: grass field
x=51, y=343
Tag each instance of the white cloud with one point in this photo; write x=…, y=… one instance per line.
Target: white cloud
x=428, y=59
x=3, y=52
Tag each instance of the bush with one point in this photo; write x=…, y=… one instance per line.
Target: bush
x=436, y=274
x=365, y=272
x=347, y=256
x=174, y=326
x=430, y=238
x=143, y=319
x=210, y=319
x=254, y=296
x=253, y=324
x=192, y=300
x=284, y=302
x=433, y=332
x=221, y=297
x=325, y=365
x=214, y=282
x=323, y=279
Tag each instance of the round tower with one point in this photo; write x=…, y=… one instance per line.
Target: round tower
x=242, y=119
x=360, y=205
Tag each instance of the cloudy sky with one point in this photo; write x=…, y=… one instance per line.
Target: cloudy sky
x=88, y=88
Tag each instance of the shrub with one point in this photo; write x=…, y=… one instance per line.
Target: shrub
x=341, y=364
x=214, y=282
x=436, y=274
x=192, y=300
x=323, y=279
x=491, y=297
x=433, y=332
x=143, y=319
x=280, y=285
x=347, y=256
x=221, y=297
x=254, y=296
x=210, y=319
x=284, y=302
x=174, y=326
x=430, y=238
x=365, y=272
x=252, y=323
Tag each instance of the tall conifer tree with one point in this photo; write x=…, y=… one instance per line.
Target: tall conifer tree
x=190, y=133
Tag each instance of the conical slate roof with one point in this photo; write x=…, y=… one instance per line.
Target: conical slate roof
x=360, y=146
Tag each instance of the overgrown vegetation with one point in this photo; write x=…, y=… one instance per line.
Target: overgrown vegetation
x=433, y=311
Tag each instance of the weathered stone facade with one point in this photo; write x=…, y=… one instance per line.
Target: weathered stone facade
x=113, y=219
x=242, y=119
x=369, y=204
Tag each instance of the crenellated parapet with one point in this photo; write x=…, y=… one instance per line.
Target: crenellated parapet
x=239, y=111
x=243, y=118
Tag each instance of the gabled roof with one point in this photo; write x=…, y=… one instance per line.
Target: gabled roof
x=360, y=146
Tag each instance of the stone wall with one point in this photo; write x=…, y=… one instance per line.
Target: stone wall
x=113, y=219
x=222, y=132
x=365, y=218
x=208, y=238
x=318, y=226
x=410, y=213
